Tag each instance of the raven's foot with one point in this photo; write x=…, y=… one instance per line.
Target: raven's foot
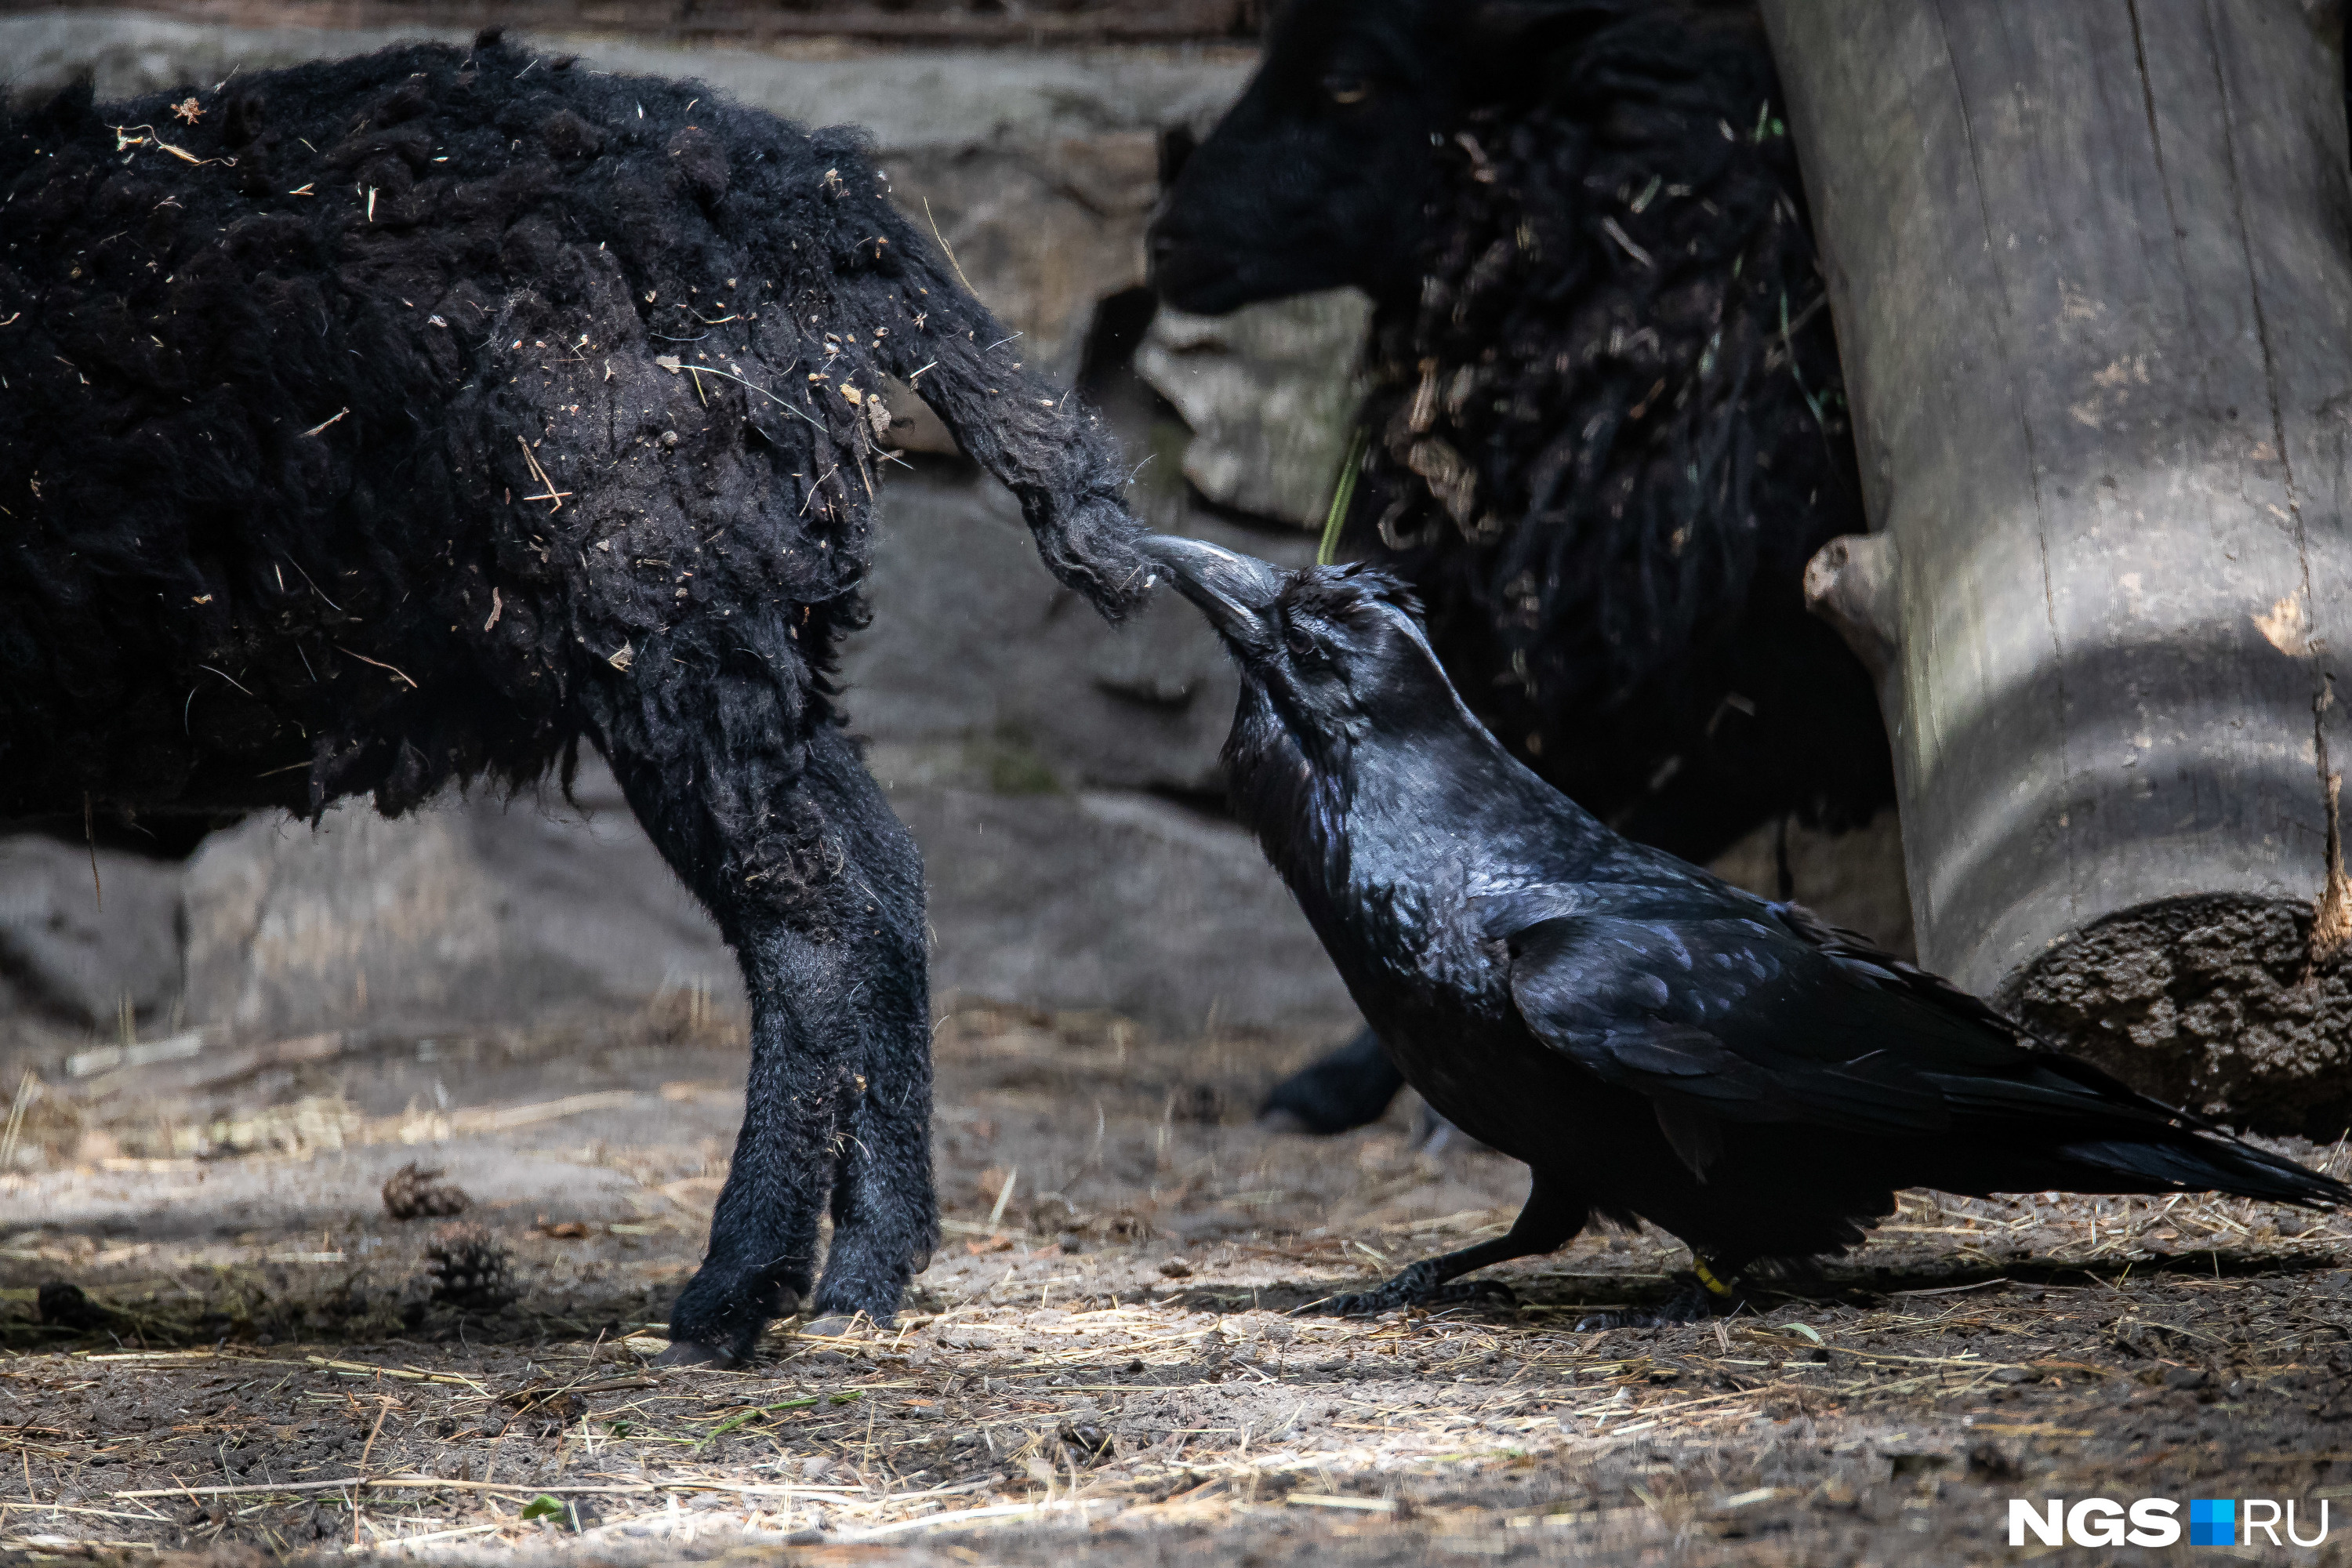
x=694, y=1352
x=1418, y=1286
x=1699, y=1295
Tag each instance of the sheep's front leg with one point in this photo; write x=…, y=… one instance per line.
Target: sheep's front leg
x=762, y=1259
x=818, y=887
x=885, y=1215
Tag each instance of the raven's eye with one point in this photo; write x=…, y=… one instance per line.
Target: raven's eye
x=1300, y=641
x=1347, y=89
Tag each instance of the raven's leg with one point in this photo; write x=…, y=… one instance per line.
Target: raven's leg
x=752, y=801
x=1349, y=1088
x=1710, y=1288
x=1550, y=1221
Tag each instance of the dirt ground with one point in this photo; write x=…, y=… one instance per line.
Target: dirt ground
x=1103, y=1366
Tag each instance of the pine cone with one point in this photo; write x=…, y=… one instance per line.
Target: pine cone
x=414, y=1193
x=469, y=1268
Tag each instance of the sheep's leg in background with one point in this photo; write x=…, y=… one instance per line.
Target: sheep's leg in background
x=771, y=820
x=1338, y=1092
x=1344, y=1089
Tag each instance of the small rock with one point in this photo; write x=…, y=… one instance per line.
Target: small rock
x=1086, y=1442
x=68, y=951
x=1988, y=1463
x=1836, y=1495
x=66, y=1306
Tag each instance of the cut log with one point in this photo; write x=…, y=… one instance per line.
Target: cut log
x=2091, y=267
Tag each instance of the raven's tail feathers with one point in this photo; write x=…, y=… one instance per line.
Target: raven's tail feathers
x=2212, y=1163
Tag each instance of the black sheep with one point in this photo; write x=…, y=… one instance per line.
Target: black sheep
x=383, y=423
x=1608, y=427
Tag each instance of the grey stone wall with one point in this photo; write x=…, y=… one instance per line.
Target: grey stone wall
x=1269, y=393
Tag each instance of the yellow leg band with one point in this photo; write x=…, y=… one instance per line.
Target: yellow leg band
x=1706, y=1277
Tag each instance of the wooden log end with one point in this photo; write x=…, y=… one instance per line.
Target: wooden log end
x=2208, y=1001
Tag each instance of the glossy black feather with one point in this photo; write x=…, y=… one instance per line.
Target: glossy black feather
x=1650, y=1039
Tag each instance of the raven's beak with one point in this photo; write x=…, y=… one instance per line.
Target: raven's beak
x=1234, y=591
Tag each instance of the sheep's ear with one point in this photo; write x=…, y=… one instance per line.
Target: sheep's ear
x=1511, y=42
x=66, y=108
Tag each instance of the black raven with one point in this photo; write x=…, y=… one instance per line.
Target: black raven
x=1653, y=1042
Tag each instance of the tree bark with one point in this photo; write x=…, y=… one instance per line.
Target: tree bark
x=2091, y=266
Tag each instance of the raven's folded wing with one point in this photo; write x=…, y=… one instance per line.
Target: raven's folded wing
x=1717, y=1007
x=1858, y=955
x=1705, y=1017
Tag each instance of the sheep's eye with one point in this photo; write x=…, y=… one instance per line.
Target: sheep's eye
x=1347, y=89
x=1300, y=641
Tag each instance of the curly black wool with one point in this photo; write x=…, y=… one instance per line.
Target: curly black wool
x=340, y=450
x=1607, y=429
x=379, y=424
x=1610, y=431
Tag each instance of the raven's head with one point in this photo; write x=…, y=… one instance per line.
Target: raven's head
x=1337, y=680
x=1330, y=654
x=1344, y=717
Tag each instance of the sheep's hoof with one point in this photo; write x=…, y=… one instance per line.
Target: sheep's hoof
x=689, y=1353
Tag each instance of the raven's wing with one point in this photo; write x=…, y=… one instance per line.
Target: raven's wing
x=1718, y=1007
x=1857, y=955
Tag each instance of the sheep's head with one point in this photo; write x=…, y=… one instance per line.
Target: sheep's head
x=1320, y=175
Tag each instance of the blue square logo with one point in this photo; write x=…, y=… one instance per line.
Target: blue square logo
x=2212, y=1521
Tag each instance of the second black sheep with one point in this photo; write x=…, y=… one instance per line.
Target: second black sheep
x=1608, y=427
